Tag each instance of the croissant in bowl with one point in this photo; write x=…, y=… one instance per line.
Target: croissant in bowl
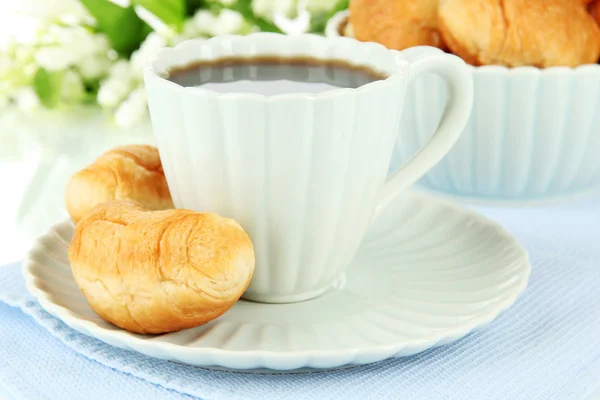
x=128, y=172
x=397, y=24
x=159, y=271
x=520, y=32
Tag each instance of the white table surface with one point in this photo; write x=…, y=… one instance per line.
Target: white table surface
x=37, y=157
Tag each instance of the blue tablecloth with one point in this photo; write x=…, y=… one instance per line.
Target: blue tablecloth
x=547, y=346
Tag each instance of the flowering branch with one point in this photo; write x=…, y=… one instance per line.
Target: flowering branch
x=93, y=51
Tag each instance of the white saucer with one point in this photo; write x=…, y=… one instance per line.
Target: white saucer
x=427, y=274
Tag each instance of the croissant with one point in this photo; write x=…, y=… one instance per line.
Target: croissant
x=159, y=271
x=128, y=172
x=397, y=24
x=595, y=11
x=520, y=32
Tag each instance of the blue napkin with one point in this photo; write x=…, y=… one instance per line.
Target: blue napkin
x=547, y=346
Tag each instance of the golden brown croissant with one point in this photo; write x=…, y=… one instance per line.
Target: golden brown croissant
x=595, y=11
x=159, y=271
x=520, y=32
x=128, y=172
x=397, y=24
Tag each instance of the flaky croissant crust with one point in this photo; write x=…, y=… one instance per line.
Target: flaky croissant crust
x=520, y=32
x=159, y=271
x=397, y=24
x=128, y=172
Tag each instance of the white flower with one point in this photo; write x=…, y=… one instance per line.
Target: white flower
x=27, y=99
x=291, y=16
x=65, y=11
x=94, y=67
x=122, y=3
x=195, y=27
x=121, y=68
x=124, y=93
x=189, y=31
x=55, y=58
x=123, y=90
x=300, y=23
x=119, y=84
x=68, y=46
x=205, y=24
x=101, y=44
x=17, y=68
x=22, y=29
x=72, y=88
x=54, y=35
x=269, y=8
x=203, y=21
x=133, y=109
x=227, y=22
x=148, y=49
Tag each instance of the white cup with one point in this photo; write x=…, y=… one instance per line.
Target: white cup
x=304, y=174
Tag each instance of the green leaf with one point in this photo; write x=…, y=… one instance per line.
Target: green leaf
x=121, y=25
x=194, y=5
x=146, y=30
x=47, y=86
x=244, y=7
x=171, y=12
x=214, y=6
x=318, y=22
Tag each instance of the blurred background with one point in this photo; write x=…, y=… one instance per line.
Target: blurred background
x=71, y=85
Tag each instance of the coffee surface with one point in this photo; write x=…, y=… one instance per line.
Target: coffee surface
x=273, y=75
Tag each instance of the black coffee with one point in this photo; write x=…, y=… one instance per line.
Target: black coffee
x=274, y=75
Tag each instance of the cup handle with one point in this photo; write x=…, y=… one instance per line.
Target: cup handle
x=424, y=59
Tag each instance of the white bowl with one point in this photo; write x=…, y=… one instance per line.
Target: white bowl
x=533, y=135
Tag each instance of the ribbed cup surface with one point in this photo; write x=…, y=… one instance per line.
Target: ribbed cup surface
x=301, y=173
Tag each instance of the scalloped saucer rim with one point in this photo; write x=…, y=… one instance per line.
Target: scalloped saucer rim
x=353, y=324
